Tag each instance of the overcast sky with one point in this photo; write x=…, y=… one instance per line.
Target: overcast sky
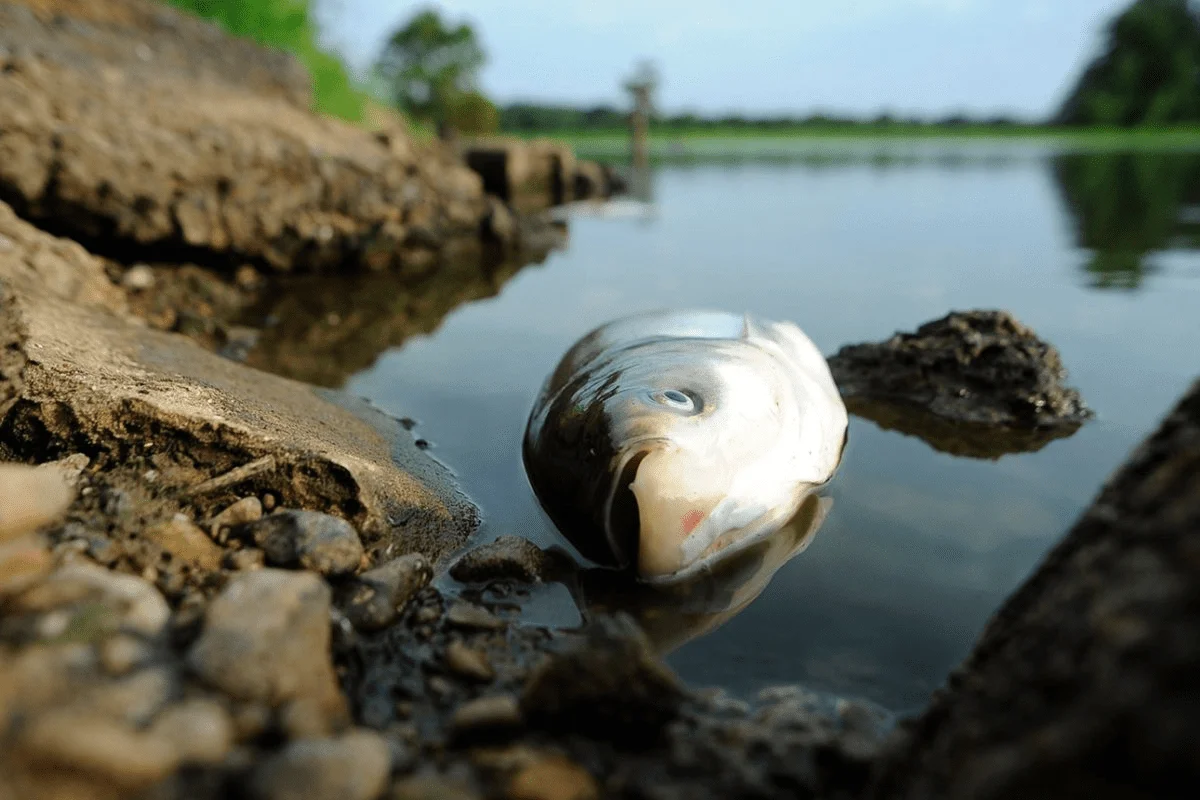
x=764, y=56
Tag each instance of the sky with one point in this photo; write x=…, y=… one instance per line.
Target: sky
x=759, y=57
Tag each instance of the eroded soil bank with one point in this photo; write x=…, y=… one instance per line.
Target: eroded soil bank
x=219, y=581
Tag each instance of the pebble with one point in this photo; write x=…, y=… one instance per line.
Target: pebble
x=23, y=561
x=31, y=498
x=121, y=653
x=99, y=747
x=266, y=637
x=139, y=277
x=553, y=778
x=355, y=766
x=200, y=730
x=248, y=559
x=308, y=539
x=507, y=557
x=186, y=542
x=133, y=699
x=250, y=720
x=378, y=596
x=135, y=604
x=466, y=615
x=486, y=713
x=468, y=662
x=248, y=509
x=70, y=468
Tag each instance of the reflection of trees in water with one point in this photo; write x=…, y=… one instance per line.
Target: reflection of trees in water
x=1126, y=206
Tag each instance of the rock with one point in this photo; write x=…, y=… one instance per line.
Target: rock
x=609, y=684
x=375, y=599
x=90, y=379
x=353, y=767
x=507, y=557
x=266, y=637
x=553, y=778
x=528, y=175
x=1082, y=684
x=308, y=539
x=244, y=170
x=31, y=498
x=23, y=561
x=246, y=559
x=96, y=746
x=590, y=181
x=975, y=367
x=180, y=537
x=133, y=699
x=138, y=278
x=120, y=654
x=466, y=615
x=468, y=662
x=108, y=601
x=201, y=731
x=248, y=509
x=486, y=714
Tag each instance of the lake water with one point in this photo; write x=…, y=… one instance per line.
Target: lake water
x=1095, y=251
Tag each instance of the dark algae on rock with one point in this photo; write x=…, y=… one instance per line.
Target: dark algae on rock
x=974, y=383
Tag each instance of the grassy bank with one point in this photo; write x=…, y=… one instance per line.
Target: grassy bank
x=732, y=143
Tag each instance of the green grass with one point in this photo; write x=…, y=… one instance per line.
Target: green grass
x=825, y=142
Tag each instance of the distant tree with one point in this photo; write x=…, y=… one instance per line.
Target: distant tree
x=430, y=65
x=471, y=112
x=1149, y=72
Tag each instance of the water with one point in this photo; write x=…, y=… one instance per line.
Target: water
x=1095, y=251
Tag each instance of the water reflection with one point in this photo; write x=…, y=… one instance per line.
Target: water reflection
x=322, y=329
x=1125, y=206
x=674, y=615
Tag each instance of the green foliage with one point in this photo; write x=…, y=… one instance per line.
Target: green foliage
x=1126, y=206
x=431, y=65
x=1149, y=72
x=471, y=112
x=287, y=25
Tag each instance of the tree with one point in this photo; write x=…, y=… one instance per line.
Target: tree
x=471, y=112
x=1149, y=72
x=430, y=64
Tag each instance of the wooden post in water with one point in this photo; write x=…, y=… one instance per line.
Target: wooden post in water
x=641, y=86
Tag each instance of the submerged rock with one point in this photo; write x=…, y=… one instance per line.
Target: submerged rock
x=1082, y=684
x=309, y=539
x=507, y=557
x=975, y=368
x=354, y=766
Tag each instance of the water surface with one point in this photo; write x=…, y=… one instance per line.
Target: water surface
x=1094, y=250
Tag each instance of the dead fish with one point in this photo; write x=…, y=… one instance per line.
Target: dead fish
x=665, y=442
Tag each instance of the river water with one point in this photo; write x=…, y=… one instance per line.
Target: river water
x=1096, y=251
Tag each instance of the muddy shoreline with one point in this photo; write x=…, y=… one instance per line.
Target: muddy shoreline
x=219, y=580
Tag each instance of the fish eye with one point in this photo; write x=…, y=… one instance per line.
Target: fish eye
x=673, y=398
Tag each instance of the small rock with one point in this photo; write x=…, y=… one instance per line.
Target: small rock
x=507, y=557
x=426, y=615
x=97, y=746
x=266, y=637
x=375, y=599
x=121, y=653
x=23, y=561
x=250, y=720
x=132, y=602
x=186, y=542
x=134, y=699
x=609, y=684
x=248, y=509
x=355, y=766
x=468, y=662
x=31, y=498
x=139, y=278
x=486, y=713
x=248, y=559
x=553, y=778
x=71, y=467
x=466, y=615
x=309, y=539
x=200, y=730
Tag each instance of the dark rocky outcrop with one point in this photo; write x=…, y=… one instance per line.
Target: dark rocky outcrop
x=976, y=383
x=1083, y=684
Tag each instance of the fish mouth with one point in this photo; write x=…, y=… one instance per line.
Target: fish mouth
x=622, y=518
